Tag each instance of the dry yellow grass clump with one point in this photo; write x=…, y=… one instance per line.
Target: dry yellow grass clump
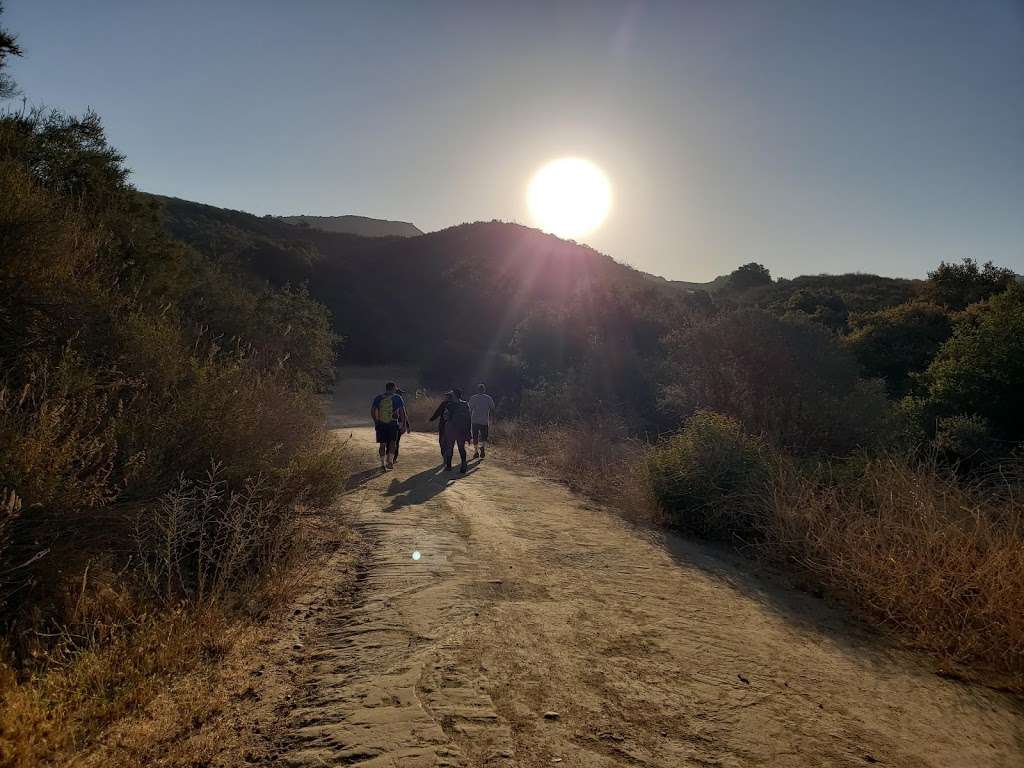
x=592, y=459
x=62, y=708
x=939, y=560
x=129, y=680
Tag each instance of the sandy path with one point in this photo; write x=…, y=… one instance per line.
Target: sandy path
x=653, y=651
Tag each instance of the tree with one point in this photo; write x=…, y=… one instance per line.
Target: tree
x=748, y=276
x=957, y=286
x=824, y=307
x=896, y=343
x=8, y=47
x=699, y=303
x=789, y=381
x=980, y=369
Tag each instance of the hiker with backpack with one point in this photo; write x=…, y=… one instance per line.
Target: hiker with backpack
x=456, y=429
x=388, y=414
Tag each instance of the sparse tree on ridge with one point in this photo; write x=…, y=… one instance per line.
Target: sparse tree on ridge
x=957, y=286
x=8, y=47
x=749, y=276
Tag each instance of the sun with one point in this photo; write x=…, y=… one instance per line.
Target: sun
x=569, y=197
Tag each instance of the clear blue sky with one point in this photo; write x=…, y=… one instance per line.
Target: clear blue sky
x=812, y=136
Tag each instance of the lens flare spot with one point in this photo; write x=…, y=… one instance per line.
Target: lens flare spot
x=416, y=555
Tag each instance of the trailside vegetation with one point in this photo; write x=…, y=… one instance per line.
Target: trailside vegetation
x=160, y=434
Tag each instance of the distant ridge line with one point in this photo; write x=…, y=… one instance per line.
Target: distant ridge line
x=356, y=225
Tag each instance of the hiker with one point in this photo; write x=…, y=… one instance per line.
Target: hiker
x=440, y=416
x=481, y=406
x=456, y=429
x=388, y=413
x=403, y=426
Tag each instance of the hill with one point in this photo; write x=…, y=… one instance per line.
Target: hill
x=450, y=297
x=356, y=225
x=468, y=299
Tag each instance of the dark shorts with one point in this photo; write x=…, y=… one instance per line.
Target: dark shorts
x=387, y=432
x=480, y=431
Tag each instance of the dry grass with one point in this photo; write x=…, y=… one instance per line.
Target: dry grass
x=591, y=458
x=225, y=710
x=129, y=688
x=216, y=566
x=939, y=561
x=63, y=709
x=420, y=407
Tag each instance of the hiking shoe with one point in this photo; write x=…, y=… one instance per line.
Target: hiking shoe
x=462, y=468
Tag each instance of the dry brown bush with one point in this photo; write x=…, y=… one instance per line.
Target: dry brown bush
x=594, y=459
x=910, y=547
x=216, y=561
x=80, y=692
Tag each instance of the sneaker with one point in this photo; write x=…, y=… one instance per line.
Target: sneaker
x=389, y=465
x=462, y=468
x=476, y=454
x=448, y=467
x=483, y=451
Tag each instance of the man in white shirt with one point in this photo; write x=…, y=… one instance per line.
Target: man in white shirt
x=481, y=406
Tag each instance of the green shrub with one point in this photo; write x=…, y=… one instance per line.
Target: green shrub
x=980, y=369
x=957, y=286
x=712, y=479
x=789, y=381
x=130, y=365
x=963, y=438
x=898, y=342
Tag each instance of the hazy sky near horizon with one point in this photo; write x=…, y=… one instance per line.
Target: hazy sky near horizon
x=809, y=135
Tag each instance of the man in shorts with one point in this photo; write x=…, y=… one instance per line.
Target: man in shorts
x=481, y=406
x=388, y=413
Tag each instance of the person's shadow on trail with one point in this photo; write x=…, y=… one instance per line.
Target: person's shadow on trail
x=360, y=478
x=423, y=486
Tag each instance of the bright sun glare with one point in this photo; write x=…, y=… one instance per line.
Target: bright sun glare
x=569, y=197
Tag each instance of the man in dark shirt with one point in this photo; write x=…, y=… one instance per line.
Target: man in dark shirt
x=440, y=416
x=456, y=429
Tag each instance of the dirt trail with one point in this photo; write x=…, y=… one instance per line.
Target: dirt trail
x=527, y=600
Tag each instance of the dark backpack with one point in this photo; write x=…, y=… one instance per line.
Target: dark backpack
x=458, y=416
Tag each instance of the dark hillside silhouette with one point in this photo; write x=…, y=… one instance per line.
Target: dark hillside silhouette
x=458, y=295
x=537, y=316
